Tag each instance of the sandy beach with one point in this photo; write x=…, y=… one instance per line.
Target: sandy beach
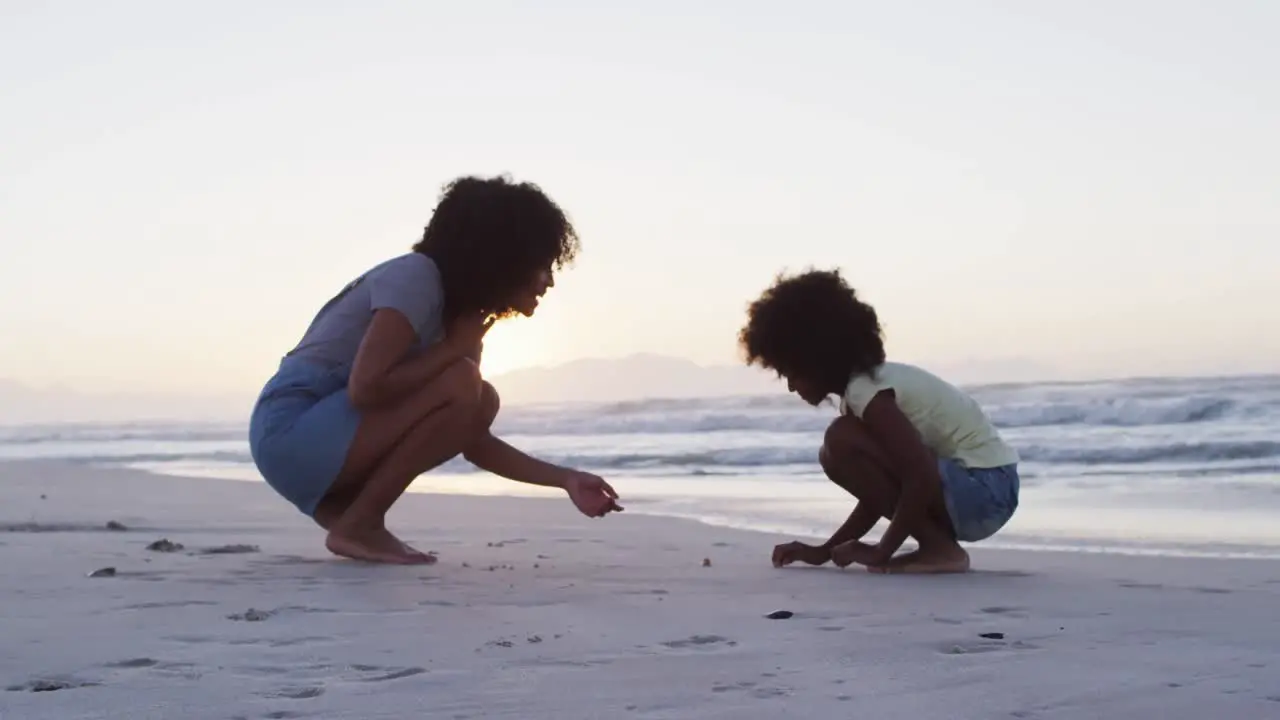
x=536, y=612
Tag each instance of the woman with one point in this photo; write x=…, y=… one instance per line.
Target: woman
x=385, y=384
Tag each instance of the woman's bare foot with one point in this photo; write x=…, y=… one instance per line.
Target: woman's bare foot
x=376, y=547
x=946, y=559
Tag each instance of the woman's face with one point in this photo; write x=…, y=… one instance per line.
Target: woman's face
x=528, y=296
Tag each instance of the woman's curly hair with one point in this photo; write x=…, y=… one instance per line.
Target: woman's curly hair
x=490, y=237
x=813, y=326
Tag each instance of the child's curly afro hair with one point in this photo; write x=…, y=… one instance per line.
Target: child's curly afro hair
x=812, y=326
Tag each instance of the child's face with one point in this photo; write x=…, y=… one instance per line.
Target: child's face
x=808, y=391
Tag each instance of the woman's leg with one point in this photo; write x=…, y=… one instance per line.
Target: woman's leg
x=392, y=446
x=852, y=459
x=336, y=502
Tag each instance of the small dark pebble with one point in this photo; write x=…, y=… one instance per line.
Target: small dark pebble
x=164, y=545
x=780, y=615
x=993, y=635
x=116, y=526
x=103, y=572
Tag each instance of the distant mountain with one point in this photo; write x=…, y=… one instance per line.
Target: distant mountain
x=634, y=377
x=631, y=378
x=649, y=376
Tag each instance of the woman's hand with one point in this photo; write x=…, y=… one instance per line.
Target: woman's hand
x=591, y=494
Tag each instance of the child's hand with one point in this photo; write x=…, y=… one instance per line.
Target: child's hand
x=856, y=551
x=788, y=553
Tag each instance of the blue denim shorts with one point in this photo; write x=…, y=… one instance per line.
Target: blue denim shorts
x=301, y=430
x=979, y=500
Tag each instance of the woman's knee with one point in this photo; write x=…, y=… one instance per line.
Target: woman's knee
x=459, y=386
x=455, y=391
x=487, y=411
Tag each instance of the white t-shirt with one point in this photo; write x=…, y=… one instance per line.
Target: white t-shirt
x=951, y=423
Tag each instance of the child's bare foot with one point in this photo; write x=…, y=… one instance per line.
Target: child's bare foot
x=423, y=558
x=946, y=559
x=376, y=547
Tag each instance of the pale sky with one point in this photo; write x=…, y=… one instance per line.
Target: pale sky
x=1089, y=185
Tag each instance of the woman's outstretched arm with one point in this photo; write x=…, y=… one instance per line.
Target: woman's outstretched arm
x=590, y=493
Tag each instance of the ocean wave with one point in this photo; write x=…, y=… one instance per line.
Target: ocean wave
x=1122, y=412
x=1032, y=407
x=1182, y=452
x=750, y=460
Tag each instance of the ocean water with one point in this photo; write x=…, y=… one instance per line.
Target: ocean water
x=1164, y=466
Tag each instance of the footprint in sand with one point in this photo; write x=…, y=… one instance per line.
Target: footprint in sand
x=165, y=545
x=148, y=575
x=252, y=615
x=968, y=647
x=699, y=641
x=1141, y=586
x=192, y=639
x=169, y=604
x=237, y=549
x=295, y=693
x=32, y=527
x=1003, y=610
x=134, y=663
x=51, y=684
x=378, y=673
x=752, y=689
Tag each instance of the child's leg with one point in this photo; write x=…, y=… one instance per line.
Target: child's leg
x=336, y=502
x=852, y=459
x=392, y=446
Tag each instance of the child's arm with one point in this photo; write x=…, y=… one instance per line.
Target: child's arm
x=860, y=522
x=899, y=439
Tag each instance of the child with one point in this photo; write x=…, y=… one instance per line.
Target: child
x=907, y=445
x=385, y=383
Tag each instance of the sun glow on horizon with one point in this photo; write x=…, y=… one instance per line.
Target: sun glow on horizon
x=511, y=345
